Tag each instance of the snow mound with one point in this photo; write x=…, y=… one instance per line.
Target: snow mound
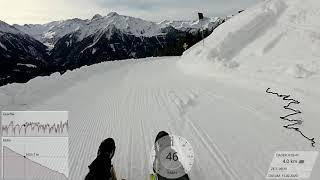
x=273, y=35
x=299, y=71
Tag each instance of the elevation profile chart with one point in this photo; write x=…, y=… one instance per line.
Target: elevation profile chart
x=34, y=145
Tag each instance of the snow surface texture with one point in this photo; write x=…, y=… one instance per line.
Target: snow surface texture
x=275, y=36
x=232, y=123
x=50, y=33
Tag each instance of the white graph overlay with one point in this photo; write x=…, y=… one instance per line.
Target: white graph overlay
x=34, y=145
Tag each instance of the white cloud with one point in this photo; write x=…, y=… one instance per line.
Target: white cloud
x=41, y=11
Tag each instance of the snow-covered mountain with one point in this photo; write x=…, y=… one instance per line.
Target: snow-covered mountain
x=72, y=43
x=51, y=32
x=15, y=43
x=21, y=56
x=6, y=28
x=75, y=42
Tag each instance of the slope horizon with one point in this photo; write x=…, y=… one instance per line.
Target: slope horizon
x=125, y=15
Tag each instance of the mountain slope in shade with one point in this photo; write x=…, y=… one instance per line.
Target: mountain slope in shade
x=112, y=44
x=6, y=28
x=21, y=56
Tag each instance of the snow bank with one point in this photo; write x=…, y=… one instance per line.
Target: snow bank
x=273, y=35
x=22, y=96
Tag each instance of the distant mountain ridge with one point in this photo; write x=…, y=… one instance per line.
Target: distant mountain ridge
x=39, y=49
x=51, y=32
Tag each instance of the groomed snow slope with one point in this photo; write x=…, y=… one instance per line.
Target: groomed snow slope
x=232, y=124
x=276, y=36
x=229, y=119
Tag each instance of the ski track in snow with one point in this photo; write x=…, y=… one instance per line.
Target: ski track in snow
x=234, y=131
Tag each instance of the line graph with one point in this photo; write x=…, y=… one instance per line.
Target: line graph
x=35, y=129
x=34, y=123
x=293, y=123
x=27, y=167
x=34, y=145
x=35, y=157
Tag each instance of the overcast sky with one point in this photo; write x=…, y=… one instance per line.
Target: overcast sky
x=42, y=11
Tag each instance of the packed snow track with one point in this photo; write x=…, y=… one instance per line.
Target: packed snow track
x=232, y=124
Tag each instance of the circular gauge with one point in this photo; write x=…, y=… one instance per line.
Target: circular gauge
x=172, y=156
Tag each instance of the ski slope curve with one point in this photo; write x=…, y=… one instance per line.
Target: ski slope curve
x=233, y=125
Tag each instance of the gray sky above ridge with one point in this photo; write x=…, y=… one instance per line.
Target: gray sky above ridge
x=43, y=11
